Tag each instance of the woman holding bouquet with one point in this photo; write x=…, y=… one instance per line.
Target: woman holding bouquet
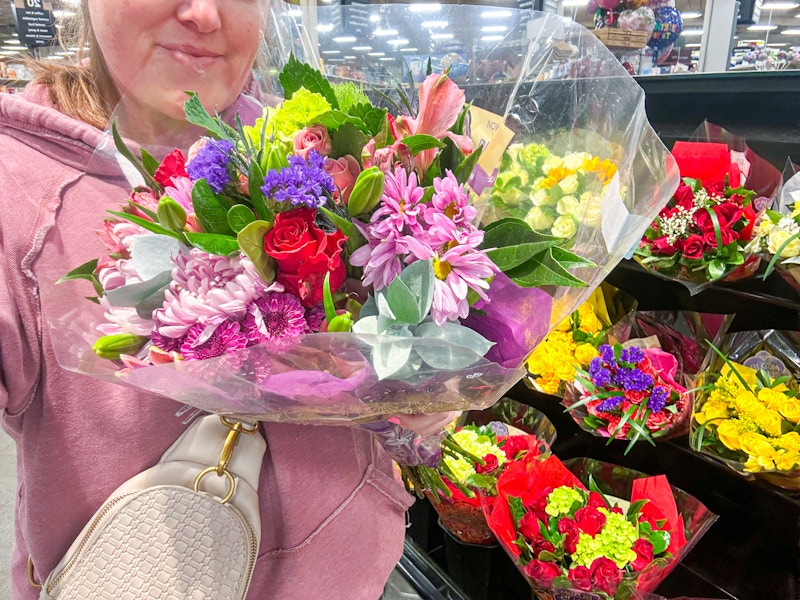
x=322, y=489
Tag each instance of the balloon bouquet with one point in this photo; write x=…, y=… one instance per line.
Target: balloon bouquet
x=659, y=18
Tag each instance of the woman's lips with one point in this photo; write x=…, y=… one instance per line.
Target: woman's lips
x=192, y=56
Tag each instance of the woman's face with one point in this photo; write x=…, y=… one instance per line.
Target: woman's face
x=155, y=50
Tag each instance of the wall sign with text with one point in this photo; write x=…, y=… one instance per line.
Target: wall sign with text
x=35, y=22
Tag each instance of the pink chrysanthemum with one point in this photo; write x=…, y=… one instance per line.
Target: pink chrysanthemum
x=400, y=208
x=458, y=266
x=208, y=341
x=206, y=288
x=381, y=259
x=314, y=317
x=451, y=199
x=276, y=316
x=121, y=319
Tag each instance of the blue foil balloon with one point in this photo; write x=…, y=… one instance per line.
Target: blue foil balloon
x=668, y=27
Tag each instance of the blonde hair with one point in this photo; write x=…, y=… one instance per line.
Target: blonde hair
x=82, y=89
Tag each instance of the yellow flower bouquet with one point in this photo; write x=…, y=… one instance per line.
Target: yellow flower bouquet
x=747, y=415
x=573, y=343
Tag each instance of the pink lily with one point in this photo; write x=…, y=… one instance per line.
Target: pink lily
x=440, y=102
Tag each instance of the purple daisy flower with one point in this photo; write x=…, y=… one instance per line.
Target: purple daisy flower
x=302, y=183
x=208, y=341
x=380, y=258
x=401, y=208
x=276, y=316
x=451, y=200
x=211, y=163
x=168, y=344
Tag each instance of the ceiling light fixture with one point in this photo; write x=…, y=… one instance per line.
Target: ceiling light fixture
x=762, y=27
x=496, y=14
x=691, y=14
x=779, y=5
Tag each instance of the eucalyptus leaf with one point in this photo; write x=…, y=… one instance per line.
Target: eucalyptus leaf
x=210, y=212
x=251, y=243
x=366, y=324
x=402, y=303
x=444, y=357
x=151, y=254
x=419, y=278
x=214, y=243
x=389, y=356
x=133, y=294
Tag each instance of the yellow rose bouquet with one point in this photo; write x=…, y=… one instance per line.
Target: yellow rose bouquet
x=573, y=343
x=747, y=414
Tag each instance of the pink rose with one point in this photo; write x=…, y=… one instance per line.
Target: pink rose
x=644, y=554
x=580, y=578
x=542, y=572
x=344, y=172
x=589, y=520
x=606, y=576
x=312, y=138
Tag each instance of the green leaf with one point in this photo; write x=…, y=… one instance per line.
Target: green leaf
x=239, y=217
x=543, y=270
x=149, y=225
x=418, y=277
x=660, y=540
x=135, y=293
x=346, y=227
x=513, y=232
x=372, y=117
x=390, y=355
x=197, y=115
x=570, y=260
x=466, y=166
x=419, y=142
x=297, y=74
x=715, y=269
x=251, y=243
x=149, y=162
x=255, y=179
x=347, y=139
x=517, y=509
x=447, y=357
x=403, y=303
x=210, y=212
x=512, y=256
x=85, y=271
x=126, y=152
x=214, y=243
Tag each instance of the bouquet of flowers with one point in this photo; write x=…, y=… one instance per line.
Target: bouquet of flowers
x=573, y=343
x=569, y=537
x=702, y=234
x=472, y=459
x=747, y=413
x=331, y=261
x=553, y=194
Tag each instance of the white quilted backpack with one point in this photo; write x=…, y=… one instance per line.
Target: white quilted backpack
x=187, y=528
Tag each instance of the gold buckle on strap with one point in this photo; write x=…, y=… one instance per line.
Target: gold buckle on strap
x=236, y=429
x=31, y=576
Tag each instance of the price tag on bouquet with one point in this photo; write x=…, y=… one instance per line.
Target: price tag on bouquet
x=490, y=131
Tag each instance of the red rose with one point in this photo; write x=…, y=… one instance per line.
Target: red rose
x=491, y=464
x=684, y=196
x=693, y=246
x=304, y=254
x=644, y=554
x=570, y=528
x=596, y=500
x=312, y=138
x=662, y=246
x=635, y=396
x=529, y=526
x=605, y=574
x=542, y=572
x=513, y=445
x=344, y=172
x=656, y=421
x=172, y=165
x=541, y=545
x=728, y=214
x=716, y=188
x=611, y=428
x=580, y=578
x=590, y=520
x=750, y=216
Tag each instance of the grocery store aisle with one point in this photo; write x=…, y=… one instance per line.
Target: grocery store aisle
x=8, y=488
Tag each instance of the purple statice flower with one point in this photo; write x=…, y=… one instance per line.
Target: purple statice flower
x=601, y=377
x=208, y=341
x=451, y=200
x=633, y=380
x=658, y=399
x=302, y=183
x=607, y=354
x=276, y=316
x=211, y=163
x=401, y=209
x=610, y=403
x=632, y=355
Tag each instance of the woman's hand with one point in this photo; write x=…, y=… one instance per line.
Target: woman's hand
x=425, y=423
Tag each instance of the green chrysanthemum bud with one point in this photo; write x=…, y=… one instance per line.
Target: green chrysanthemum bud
x=367, y=191
x=274, y=158
x=171, y=214
x=111, y=346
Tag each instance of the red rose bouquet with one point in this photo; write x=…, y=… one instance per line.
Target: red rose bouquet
x=472, y=459
x=702, y=233
x=629, y=392
x=617, y=535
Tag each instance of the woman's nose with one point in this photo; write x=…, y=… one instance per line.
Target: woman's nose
x=204, y=15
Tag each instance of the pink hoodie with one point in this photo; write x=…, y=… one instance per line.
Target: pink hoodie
x=332, y=514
